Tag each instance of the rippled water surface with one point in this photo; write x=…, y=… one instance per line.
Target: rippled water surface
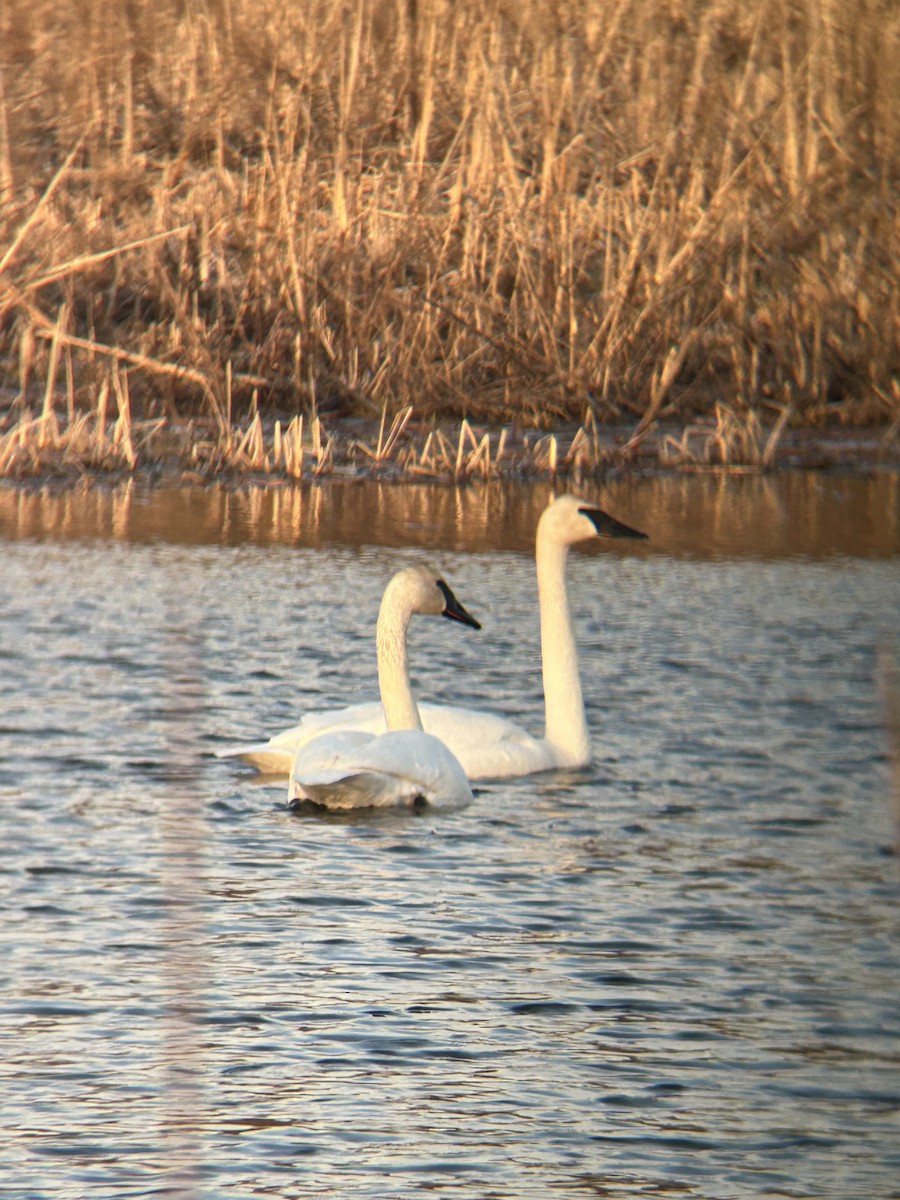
x=676, y=972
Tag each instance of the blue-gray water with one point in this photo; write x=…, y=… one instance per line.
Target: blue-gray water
x=674, y=973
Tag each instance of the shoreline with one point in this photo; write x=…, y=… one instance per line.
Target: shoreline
x=84, y=451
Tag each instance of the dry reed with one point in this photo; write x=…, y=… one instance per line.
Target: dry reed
x=250, y=221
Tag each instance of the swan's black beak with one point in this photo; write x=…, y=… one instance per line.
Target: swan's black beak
x=453, y=609
x=608, y=526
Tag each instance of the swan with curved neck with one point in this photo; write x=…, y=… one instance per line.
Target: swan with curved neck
x=489, y=746
x=349, y=768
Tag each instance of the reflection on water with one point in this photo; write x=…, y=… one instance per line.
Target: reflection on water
x=810, y=514
x=672, y=973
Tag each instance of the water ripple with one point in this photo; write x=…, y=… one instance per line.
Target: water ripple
x=673, y=973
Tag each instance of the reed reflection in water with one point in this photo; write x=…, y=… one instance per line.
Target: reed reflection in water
x=763, y=516
x=674, y=972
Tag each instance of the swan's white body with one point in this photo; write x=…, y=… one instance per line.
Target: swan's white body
x=486, y=745
x=398, y=764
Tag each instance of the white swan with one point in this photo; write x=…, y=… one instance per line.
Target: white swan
x=486, y=745
x=348, y=768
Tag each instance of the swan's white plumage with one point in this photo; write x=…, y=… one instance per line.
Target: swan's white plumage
x=377, y=770
x=345, y=768
x=487, y=745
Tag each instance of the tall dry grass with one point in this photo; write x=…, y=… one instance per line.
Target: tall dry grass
x=594, y=211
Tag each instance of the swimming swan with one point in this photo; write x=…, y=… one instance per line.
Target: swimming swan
x=486, y=745
x=349, y=768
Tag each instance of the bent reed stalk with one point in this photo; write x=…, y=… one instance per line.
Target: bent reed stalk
x=259, y=221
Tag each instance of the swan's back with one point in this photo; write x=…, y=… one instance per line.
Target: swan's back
x=486, y=745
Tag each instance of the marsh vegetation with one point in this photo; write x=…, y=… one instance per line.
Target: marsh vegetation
x=424, y=237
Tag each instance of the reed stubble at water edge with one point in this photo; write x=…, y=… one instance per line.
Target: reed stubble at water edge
x=443, y=239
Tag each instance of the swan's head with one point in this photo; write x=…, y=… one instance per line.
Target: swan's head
x=568, y=520
x=423, y=590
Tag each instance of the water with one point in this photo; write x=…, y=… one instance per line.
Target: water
x=673, y=973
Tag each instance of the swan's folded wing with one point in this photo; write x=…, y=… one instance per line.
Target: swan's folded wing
x=332, y=770
x=344, y=789
x=343, y=749
x=353, y=770
x=422, y=766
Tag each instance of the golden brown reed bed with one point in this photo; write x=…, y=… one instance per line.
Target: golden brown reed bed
x=218, y=216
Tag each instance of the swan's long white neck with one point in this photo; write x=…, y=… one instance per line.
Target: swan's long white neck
x=400, y=710
x=566, y=728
